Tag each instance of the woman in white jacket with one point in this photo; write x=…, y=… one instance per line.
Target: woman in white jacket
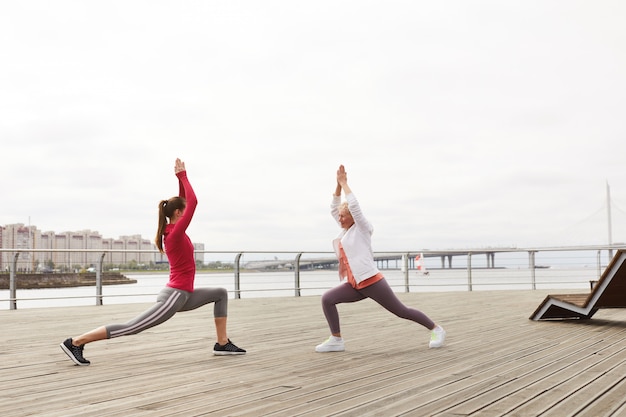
x=353, y=248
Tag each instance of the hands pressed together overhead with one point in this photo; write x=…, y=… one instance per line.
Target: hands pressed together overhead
x=342, y=176
x=179, y=166
x=342, y=181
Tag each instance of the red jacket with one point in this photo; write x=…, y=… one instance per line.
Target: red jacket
x=178, y=246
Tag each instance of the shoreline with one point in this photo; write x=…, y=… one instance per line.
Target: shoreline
x=31, y=281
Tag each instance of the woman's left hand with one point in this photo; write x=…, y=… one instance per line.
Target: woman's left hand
x=179, y=166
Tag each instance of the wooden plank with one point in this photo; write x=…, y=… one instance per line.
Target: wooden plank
x=547, y=375
x=579, y=300
x=611, y=403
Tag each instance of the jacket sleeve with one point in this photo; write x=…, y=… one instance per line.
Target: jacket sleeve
x=359, y=219
x=185, y=191
x=334, y=207
x=181, y=186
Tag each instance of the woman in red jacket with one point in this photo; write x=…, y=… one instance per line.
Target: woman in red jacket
x=179, y=293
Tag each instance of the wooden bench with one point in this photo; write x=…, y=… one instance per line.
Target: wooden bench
x=608, y=292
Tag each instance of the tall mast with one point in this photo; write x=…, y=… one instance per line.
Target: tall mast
x=608, y=210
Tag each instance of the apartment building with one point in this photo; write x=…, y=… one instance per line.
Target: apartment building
x=88, y=247
x=18, y=236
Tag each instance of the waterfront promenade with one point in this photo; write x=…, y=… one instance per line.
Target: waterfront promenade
x=496, y=361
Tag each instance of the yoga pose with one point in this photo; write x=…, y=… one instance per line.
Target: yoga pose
x=179, y=293
x=353, y=248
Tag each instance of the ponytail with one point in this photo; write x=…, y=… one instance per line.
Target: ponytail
x=166, y=210
x=158, y=240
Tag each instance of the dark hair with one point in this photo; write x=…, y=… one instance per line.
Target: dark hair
x=166, y=211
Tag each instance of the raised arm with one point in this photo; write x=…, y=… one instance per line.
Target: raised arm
x=185, y=191
x=353, y=204
x=179, y=166
x=334, y=206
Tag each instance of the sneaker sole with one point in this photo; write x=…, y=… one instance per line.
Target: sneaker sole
x=69, y=354
x=221, y=353
x=330, y=350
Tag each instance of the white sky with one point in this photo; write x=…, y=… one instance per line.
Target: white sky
x=462, y=124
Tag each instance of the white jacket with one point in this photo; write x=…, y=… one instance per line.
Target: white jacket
x=356, y=241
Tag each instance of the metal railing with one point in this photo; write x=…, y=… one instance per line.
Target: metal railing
x=592, y=258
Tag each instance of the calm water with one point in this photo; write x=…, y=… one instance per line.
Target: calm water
x=281, y=284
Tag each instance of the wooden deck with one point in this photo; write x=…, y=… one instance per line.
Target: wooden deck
x=496, y=362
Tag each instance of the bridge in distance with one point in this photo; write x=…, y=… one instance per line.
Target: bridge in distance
x=390, y=260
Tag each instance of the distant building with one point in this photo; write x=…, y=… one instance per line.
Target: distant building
x=122, y=251
x=19, y=236
x=199, y=248
x=136, y=242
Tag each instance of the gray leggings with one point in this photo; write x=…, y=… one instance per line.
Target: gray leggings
x=169, y=302
x=380, y=292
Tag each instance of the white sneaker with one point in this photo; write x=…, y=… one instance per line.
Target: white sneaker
x=332, y=344
x=437, y=336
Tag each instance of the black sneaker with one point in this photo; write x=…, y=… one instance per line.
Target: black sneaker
x=74, y=352
x=227, y=349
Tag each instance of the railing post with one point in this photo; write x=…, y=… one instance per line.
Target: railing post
x=599, y=264
x=469, y=271
x=405, y=266
x=99, y=280
x=531, y=265
x=13, y=283
x=237, y=279
x=297, y=276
